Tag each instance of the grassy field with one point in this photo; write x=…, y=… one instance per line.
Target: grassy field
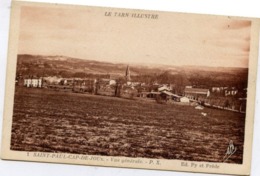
x=52, y=121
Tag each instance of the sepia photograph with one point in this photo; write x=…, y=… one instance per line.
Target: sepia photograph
x=133, y=84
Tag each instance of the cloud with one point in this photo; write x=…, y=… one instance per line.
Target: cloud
x=178, y=38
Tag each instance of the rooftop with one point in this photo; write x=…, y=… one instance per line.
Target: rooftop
x=196, y=90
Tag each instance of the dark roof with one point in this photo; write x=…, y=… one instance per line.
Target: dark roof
x=156, y=93
x=232, y=88
x=31, y=77
x=170, y=94
x=196, y=90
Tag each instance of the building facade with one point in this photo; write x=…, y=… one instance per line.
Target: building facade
x=33, y=82
x=196, y=93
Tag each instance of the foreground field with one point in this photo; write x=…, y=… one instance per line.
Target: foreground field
x=51, y=121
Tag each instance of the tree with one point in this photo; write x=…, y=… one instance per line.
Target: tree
x=226, y=104
x=119, y=85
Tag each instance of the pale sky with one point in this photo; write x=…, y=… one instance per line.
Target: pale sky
x=172, y=39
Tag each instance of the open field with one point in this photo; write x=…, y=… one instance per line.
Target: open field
x=53, y=121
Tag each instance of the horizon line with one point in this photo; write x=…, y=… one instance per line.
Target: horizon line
x=136, y=63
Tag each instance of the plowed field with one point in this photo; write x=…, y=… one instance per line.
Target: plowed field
x=51, y=121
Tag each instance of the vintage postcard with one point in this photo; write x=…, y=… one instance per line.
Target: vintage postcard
x=130, y=88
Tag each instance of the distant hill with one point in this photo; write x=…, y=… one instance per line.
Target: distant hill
x=63, y=66
x=49, y=65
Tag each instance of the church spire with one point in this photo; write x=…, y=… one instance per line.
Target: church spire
x=127, y=73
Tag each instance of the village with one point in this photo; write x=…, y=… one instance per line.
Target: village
x=122, y=86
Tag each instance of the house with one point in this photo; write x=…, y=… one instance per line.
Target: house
x=171, y=96
x=128, y=92
x=184, y=99
x=113, y=78
x=188, y=86
x=52, y=80
x=84, y=85
x=67, y=81
x=166, y=95
x=195, y=93
x=103, y=86
x=112, y=82
x=106, y=90
x=103, y=81
x=231, y=91
x=142, y=94
x=153, y=94
x=136, y=84
x=218, y=89
x=164, y=88
x=41, y=65
x=154, y=87
x=19, y=81
x=33, y=82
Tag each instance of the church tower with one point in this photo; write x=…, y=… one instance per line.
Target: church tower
x=127, y=73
